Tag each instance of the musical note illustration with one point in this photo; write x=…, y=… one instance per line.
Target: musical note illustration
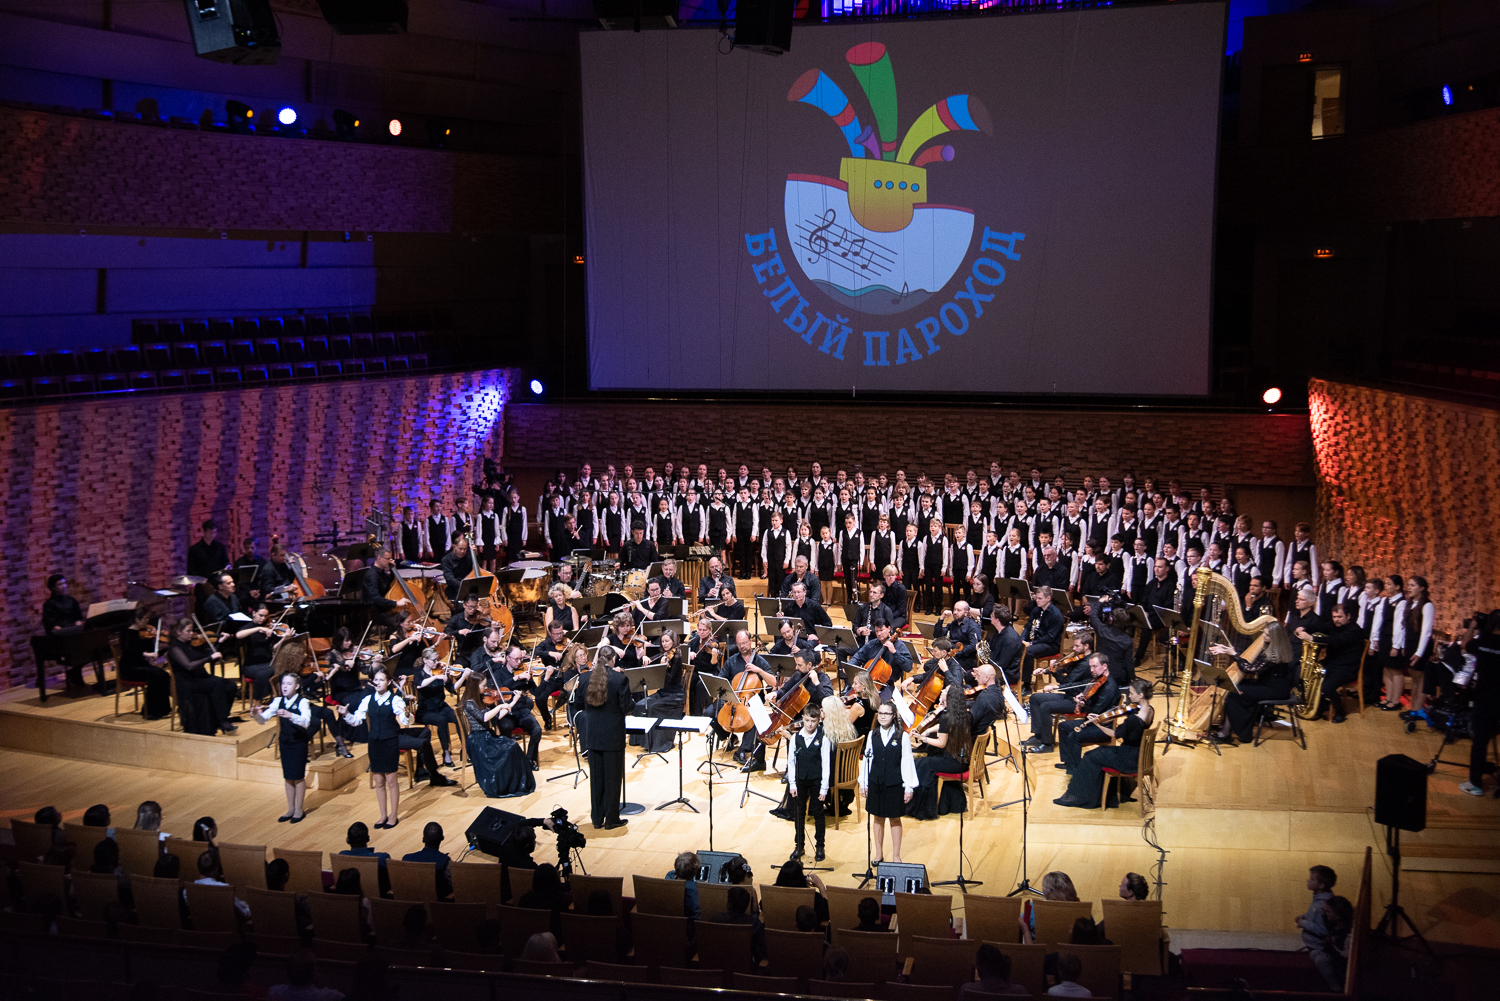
x=817, y=242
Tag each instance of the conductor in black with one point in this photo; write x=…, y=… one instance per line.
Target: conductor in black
x=607, y=702
x=809, y=783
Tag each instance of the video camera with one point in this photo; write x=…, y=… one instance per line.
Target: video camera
x=569, y=839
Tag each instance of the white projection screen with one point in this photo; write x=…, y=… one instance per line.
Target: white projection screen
x=1018, y=204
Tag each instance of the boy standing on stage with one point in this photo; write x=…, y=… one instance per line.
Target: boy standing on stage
x=807, y=779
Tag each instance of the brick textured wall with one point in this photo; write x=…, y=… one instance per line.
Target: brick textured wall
x=1407, y=485
x=1240, y=449
x=158, y=177
x=112, y=491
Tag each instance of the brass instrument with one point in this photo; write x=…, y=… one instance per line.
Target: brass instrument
x=1311, y=671
x=1195, y=712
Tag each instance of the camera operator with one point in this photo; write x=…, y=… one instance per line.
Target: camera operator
x=1107, y=615
x=1484, y=720
x=516, y=850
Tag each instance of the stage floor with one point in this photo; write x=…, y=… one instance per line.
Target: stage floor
x=1239, y=830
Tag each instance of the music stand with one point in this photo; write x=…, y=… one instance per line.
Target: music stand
x=481, y=587
x=677, y=607
x=781, y=663
x=656, y=628
x=683, y=727
x=643, y=725
x=590, y=607
x=840, y=637
x=1014, y=589
x=769, y=607
x=353, y=584
x=650, y=678
x=244, y=576
x=1173, y=622
x=718, y=688
x=730, y=627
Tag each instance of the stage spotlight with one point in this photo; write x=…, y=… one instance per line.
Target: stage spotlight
x=537, y=387
x=438, y=133
x=344, y=125
x=1447, y=95
x=239, y=114
x=287, y=116
x=1272, y=396
x=394, y=127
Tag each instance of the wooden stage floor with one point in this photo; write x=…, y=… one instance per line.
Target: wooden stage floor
x=1239, y=830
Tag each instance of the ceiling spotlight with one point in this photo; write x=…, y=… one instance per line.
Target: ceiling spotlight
x=537, y=387
x=287, y=116
x=1271, y=396
x=344, y=124
x=394, y=127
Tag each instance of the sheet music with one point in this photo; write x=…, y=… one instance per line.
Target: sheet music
x=759, y=714
x=1015, y=704
x=903, y=709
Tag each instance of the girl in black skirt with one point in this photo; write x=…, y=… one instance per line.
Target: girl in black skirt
x=291, y=711
x=386, y=712
x=1086, y=786
x=887, y=779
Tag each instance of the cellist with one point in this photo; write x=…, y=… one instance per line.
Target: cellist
x=884, y=646
x=744, y=657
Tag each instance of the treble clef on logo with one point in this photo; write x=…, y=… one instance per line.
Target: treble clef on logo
x=816, y=241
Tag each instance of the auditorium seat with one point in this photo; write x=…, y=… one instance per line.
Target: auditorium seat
x=142, y=331
x=274, y=326
x=214, y=352
x=249, y=327
x=242, y=352
x=143, y=380
x=354, y=366
x=317, y=326
x=95, y=360
x=228, y=375
x=364, y=345
x=293, y=326
x=306, y=370
x=342, y=345
x=27, y=363
x=293, y=349
x=339, y=325
x=418, y=361
x=279, y=372
x=111, y=382
x=385, y=343
x=157, y=355
x=61, y=361
x=363, y=323
x=256, y=374
x=326, y=369
x=200, y=377
x=398, y=363
x=376, y=366
x=79, y=384
x=172, y=378
x=185, y=353
x=406, y=341
x=267, y=349
x=317, y=347
x=128, y=358
x=46, y=385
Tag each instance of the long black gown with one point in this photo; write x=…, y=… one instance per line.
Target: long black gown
x=924, y=803
x=666, y=703
x=1087, y=782
x=500, y=765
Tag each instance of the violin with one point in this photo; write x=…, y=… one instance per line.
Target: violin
x=1092, y=690
x=1125, y=710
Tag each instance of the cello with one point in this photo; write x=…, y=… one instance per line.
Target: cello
x=734, y=716
x=927, y=698
x=786, y=709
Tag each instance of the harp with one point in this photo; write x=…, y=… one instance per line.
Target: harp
x=1195, y=711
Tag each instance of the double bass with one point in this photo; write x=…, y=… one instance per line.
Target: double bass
x=498, y=612
x=786, y=709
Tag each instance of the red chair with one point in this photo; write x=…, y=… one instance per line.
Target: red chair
x=135, y=688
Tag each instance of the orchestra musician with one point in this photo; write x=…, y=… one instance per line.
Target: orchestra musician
x=432, y=690
x=628, y=647
x=140, y=664
x=745, y=657
x=223, y=602
x=988, y=705
x=790, y=639
x=551, y=652
x=258, y=645
x=1086, y=777
x=208, y=555
x=1074, y=677
x=884, y=644
x=945, y=738
x=671, y=584
x=666, y=702
x=894, y=598
x=803, y=607
x=276, y=573
x=456, y=565
x=467, y=626
x=1044, y=629
x=500, y=766
x=871, y=612
x=802, y=574
x=194, y=679
x=959, y=628
x=499, y=665
x=706, y=651
x=378, y=580
x=726, y=606
x=1269, y=676
x=639, y=552
x=713, y=579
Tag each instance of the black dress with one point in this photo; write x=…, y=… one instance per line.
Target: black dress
x=924, y=803
x=134, y=667
x=666, y=703
x=1087, y=783
x=203, y=699
x=500, y=765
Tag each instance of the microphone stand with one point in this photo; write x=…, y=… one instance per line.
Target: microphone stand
x=711, y=737
x=869, y=873
x=1024, y=886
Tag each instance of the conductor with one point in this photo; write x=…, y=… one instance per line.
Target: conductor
x=607, y=702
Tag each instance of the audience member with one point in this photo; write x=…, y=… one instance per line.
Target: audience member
x=204, y=829
x=869, y=915
x=235, y=964
x=1069, y=969
x=737, y=899
x=432, y=843
x=836, y=964
x=541, y=948
x=148, y=818
x=1134, y=887
x=792, y=874
x=96, y=816
x=992, y=974
x=358, y=840
x=686, y=868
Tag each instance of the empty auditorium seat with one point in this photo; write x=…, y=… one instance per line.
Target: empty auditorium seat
x=13, y=389
x=143, y=380
x=169, y=330
x=28, y=363
x=242, y=352
x=214, y=353
x=418, y=360
x=385, y=343
x=199, y=330
x=142, y=331
x=200, y=377
x=279, y=372
x=61, y=361
x=79, y=384
x=354, y=366
x=294, y=326
x=305, y=370
x=342, y=345
x=376, y=365
x=249, y=327
x=172, y=378
x=398, y=363
x=267, y=349
x=293, y=349
x=363, y=323
x=317, y=347
x=228, y=375
x=317, y=325
x=406, y=341
x=273, y=326
x=329, y=368
x=256, y=374
x=46, y=385
x=111, y=382
x=185, y=353
x=364, y=345
x=95, y=360
x=338, y=323
x=128, y=358
x=157, y=355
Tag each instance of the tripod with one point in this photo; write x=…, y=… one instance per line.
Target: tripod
x=962, y=883
x=681, y=797
x=1395, y=914
x=1024, y=886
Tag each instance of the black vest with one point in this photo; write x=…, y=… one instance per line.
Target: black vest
x=514, y=520
x=885, y=759
x=289, y=732
x=437, y=535
x=411, y=541
x=381, y=719
x=809, y=756
x=1268, y=562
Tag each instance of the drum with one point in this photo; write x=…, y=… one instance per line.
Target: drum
x=532, y=589
x=599, y=585
x=634, y=585
x=325, y=568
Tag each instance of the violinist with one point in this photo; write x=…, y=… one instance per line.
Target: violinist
x=629, y=648
x=1100, y=693
x=550, y=652
x=432, y=693
x=707, y=654
x=259, y=642
x=958, y=627
x=456, y=565
x=666, y=702
x=945, y=739
x=141, y=661
x=860, y=700
x=790, y=640
x=276, y=573
x=884, y=645
x=378, y=582
x=727, y=608
x=1086, y=781
x=467, y=626
x=407, y=646
x=558, y=609
x=500, y=766
x=505, y=671
x=195, y=682
x=1068, y=671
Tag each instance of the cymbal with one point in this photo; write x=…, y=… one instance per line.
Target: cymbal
x=187, y=580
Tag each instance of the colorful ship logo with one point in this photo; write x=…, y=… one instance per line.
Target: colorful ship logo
x=871, y=239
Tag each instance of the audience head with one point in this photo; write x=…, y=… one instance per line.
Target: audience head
x=1058, y=886
x=148, y=816
x=1338, y=917
x=96, y=816
x=806, y=917
x=278, y=871
x=736, y=870
x=414, y=922
x=737, y=900
x=168, y=866
x=835, y=964
x=686, y=866
x=990, y=963
x=432, y=835
x=1085, y=932
x=358, y=835
x=1321, y=878
x=107, y=856
x=545, y=882
x=600, y=904
x=208, y=864
x=48, y=816
x=1134, y=887
x=1069, y=967
x=868, y=911
x=540, y=948
x=791, y=874
x=347, y=883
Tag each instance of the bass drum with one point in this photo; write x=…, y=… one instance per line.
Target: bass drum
x=599, y=585
x=325, y=568
x=634, y=586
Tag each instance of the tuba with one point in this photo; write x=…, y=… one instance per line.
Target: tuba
x=1311, y=672
x=1195, y=712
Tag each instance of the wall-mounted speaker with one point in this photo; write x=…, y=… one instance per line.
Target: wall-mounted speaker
x=234, y=31
x=764, y=25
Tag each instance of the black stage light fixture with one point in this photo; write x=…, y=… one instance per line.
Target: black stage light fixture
x=344, y=124
x=764, y=25
x=239, y=115
x=234, y=31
